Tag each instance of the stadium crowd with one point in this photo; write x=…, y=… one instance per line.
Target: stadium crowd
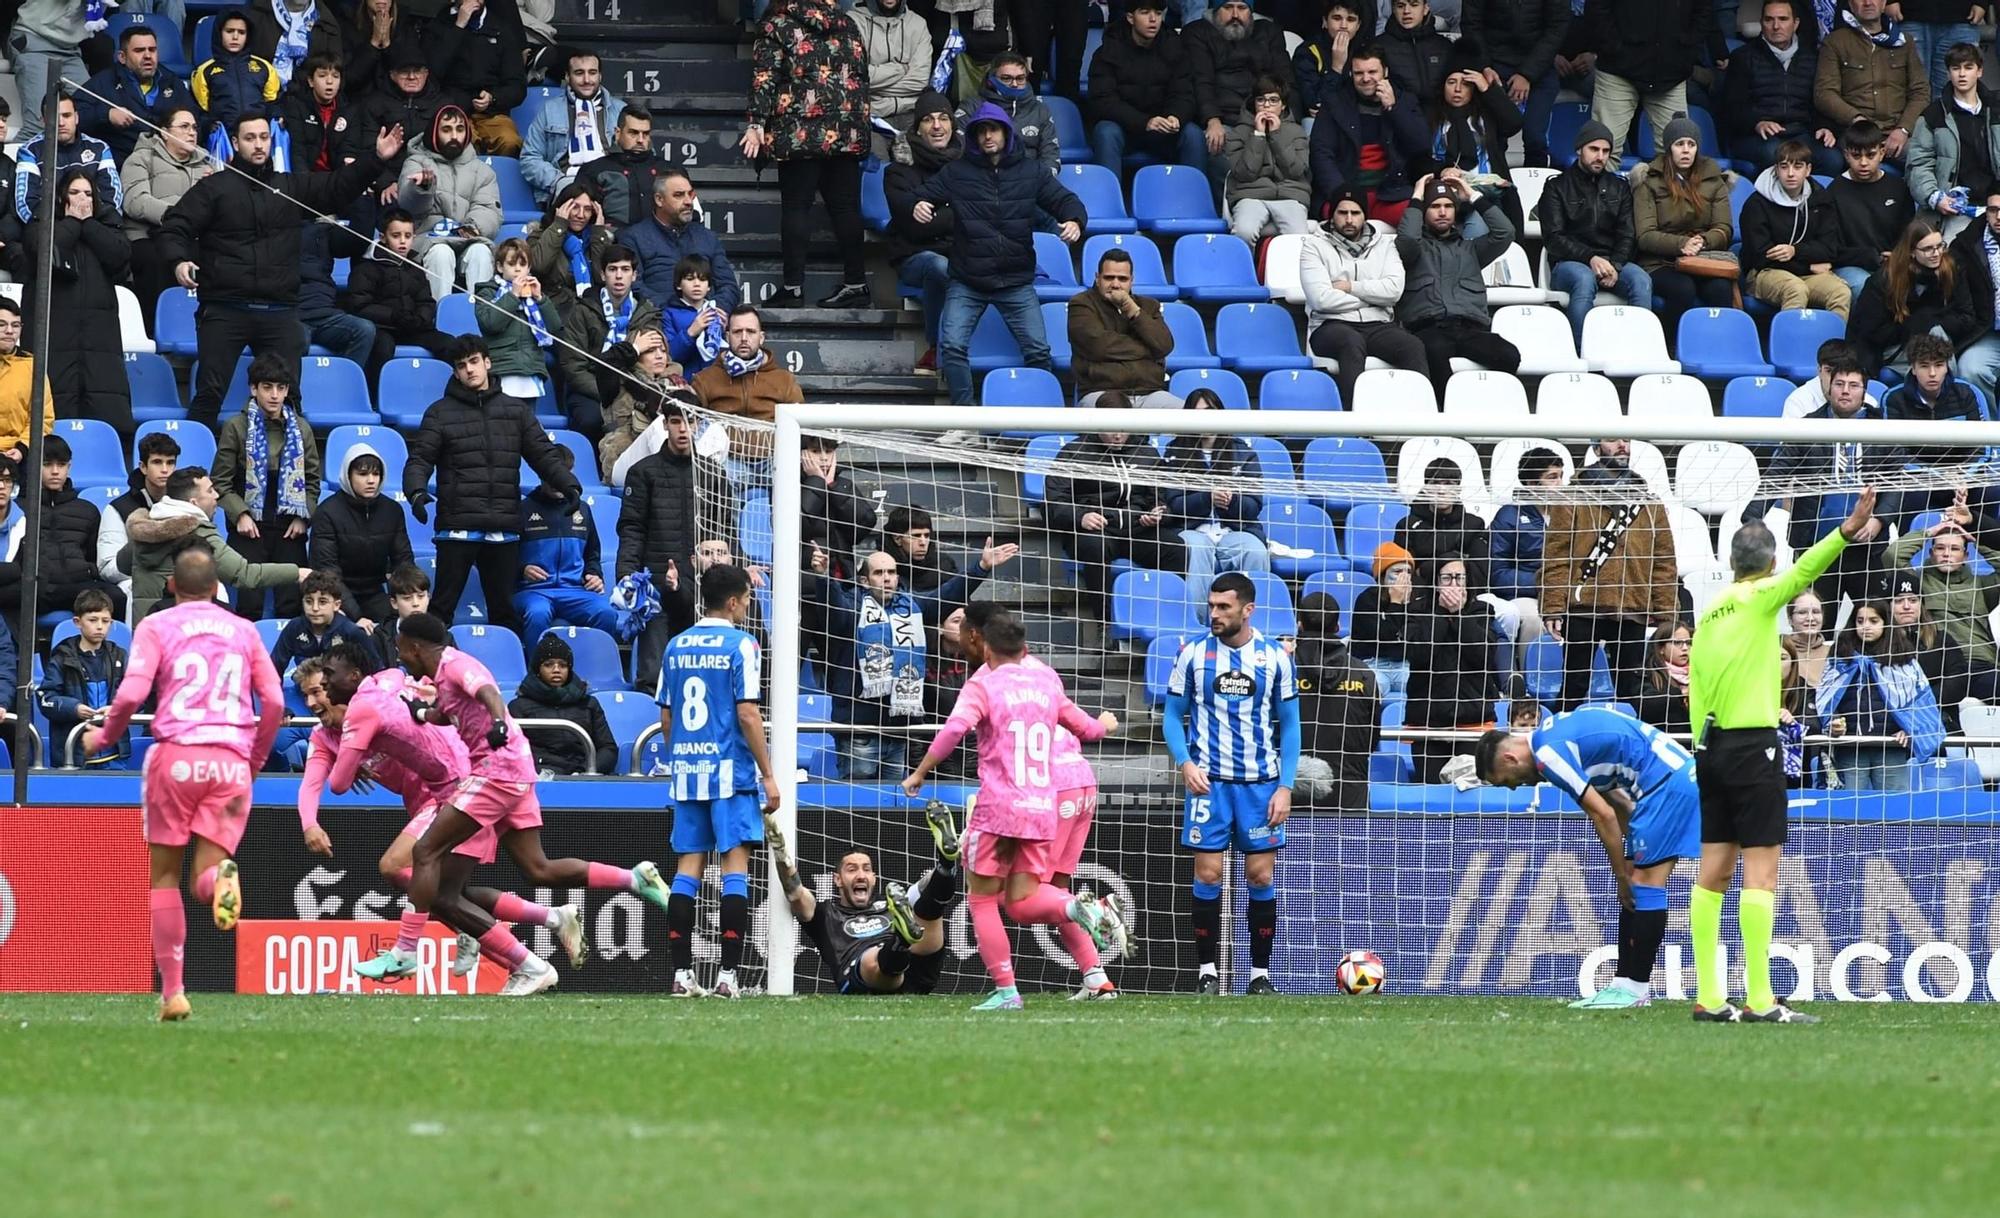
x=1852, y=166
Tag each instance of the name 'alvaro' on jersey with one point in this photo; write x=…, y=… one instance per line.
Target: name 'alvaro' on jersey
x=708, y=669
x=1607, y=749
x=1233, y=696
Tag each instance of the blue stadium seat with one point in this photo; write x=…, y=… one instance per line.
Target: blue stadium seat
x=1146, y=604
x=604, y=507
x=1645, y=149
x=1392, y=763
x=596, y=656
x=1226, y=385
x=335, y=392
x=1274, y=465
x=408, y=387
x=1191, y=348
x=1259, y=338
x=387, y=442
x=99, y=497
x=1719, y=343
x=1161, y=652
x=1022, y=387
x=1055, y=329
x=97, y=458
x=197, y=442
x=1947, y=774
x=533, y=104
x=498, y=648
x=173, y=322
x=268, y=630
x=1298, y=525
x=1218, y=269
x=1072, y=138
x=471, y=605
x=423, y=539
x=455, y=316
x=992, y=344
x=517, y=201
x=204, y=42
x=583, y=457
x=1755, y=397
x=1102, y=198
x=1344, y=587
x=1336, y=464
x=1542, y=669
x=1175, y=199
x=163, y=27
x=1041, y=452
x=121, y=634
x=1149, y=274
x=1276, y=617
x=1368, y=526
x=1795, y=338
x=755, y=525
x=154, y=393
x=1055, y=271
x=1565, y=120
x=1298, y=389
x=874, y=203
x=628, y=713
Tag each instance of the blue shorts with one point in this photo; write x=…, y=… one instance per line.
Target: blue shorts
x=1666, y=824
x=1232, y=813
x=717, y=826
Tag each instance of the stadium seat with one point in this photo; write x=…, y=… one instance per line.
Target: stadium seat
x=1626, y=340
x=1542, y=669
x=386, y=441
x=1040, y=454
x=99, y=497
x=1274, y=465
x=517, y=201
x=1022, y=387
x=596, y=656
x=1583, y=401
x=169, y=34
x=173, y=322
x=1305, y=534
x=1146, y=604
x=455, y=315
x=154, y=393
x=97, y=458
x=1102, y=198
x=628, y=713
x=1530, y=182
x=1341, y=471
x=1565, y=120
x=1217, y=268
x=874, y=204
x=1484, y=396
x=498, y=648
x=132, y=322
x=1947, y=774
x=1149, y=274
x=1298, y=389
x=603, y=507
x=1258, y=338
x=1415, y=456
x=1542, y=333
x=335, y=392
x=1281, y=268
x=1227, y=385
x=1276, y=616
x=1344, y=587
x=408, y=387
x=993, y=344
x=1755, y=397
x=1161, y=652
x=1716, y=344
x=1055, y=271
x=268, y=630
x=531, y=106
x=583, y=455
x=1392, y=393
x=1190, y=338
x=1392, y=763
x=1796, y=335
x=1715, y=476
x=1510, y=280
x=1072, y=137
x=1055, y=328
x=197, y=442
x=204, y=42
x=1507, y=456
x=755, y=524
x=1670, y=398
x=1174, y=199
x=1368, y=526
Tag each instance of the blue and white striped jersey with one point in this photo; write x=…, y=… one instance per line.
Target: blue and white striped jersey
x=1233, y=697
x=1607, y=749
x=708, y=668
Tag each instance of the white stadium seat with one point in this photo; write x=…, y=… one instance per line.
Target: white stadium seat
x=1507, y=465
x=1414, y=455
x=1623, y=340
x=1510, y=280
x=1715, y=475
x=1694, y=544
x=1281, y=268
x=1583, y=400
x=1389, y=394
x=1530, y=183
x=132, y=322
x=1485, y=396
x=1543, y=336
x=1673, y=398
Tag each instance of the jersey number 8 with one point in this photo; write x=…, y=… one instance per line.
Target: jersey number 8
x=694, y=704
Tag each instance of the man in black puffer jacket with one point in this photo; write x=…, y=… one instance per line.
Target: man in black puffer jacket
x=69, y=538
x=1141, y=96
x=235, y=237
x=917, y=251
x=474, y=438
x=994, y=192
x=657, y=531
x=1520, y=39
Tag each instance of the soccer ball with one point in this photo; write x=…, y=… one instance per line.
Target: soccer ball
x=1360, y=972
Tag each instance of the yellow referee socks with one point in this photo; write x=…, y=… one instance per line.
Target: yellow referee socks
x=1756, y=913
x=1705, y=928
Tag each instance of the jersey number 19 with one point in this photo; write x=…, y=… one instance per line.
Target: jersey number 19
x=1032, y=745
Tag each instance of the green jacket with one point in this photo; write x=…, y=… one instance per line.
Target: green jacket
x=232, y=444
x=159, y=533
x=511, y=339
x=1958, y=601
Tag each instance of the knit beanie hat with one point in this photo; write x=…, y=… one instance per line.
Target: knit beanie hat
x=552, y=647
x=1681, y=128
x=1590, y=131
x=1387, y=555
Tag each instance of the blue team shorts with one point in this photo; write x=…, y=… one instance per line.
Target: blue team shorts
x=717, y=826
x=1232, y=813
x=1666, y=824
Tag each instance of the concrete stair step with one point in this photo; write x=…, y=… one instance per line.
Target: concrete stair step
x=676, y=75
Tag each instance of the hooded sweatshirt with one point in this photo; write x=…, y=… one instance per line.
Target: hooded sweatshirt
x=363, y=539
x=1027, y=114
x=994, y=203
x=1807, y=222
x=464, y=191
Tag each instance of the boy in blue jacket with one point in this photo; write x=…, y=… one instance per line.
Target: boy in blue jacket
x=82, y=673
x=562, y=563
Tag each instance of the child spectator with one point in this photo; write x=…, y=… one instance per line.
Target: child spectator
x=1382, y=619
x=1270, y=166
x=81, y=674
x=267, y=473
x=522, y=326
x=1874, y=687
x=1791, y=235
x=320, y=625
x=562, y=563
x=234, y=81
x=653, y=386
x=693, y=321
x=409, y=594
x=552, y=690
x=1872, y=206
x=394, y=292
x=361, y=533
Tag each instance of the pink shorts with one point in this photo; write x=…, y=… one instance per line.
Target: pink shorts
x=482, y=847
x=999, y=857
x=1075, y=810
x=500, y=807
x=195, y=790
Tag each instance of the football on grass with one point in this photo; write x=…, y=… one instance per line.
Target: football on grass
x=1360, y=972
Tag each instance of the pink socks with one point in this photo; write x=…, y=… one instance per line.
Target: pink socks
x=499, y=944
x=510, y=908
x=203, y=886
x=411, y=930
x=1076, y=941
x=1047, y=905
x=991, y=935
x=169, y=937
x=603, y=875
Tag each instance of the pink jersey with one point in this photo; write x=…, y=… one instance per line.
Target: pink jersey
x=1072, y=768
x=421, y=763
x=459, y=680
x=1017, y=711
x=202, y=665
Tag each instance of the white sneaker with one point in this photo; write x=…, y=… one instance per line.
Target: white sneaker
x=569, y=933
x=1101, y=993
x=534, y=976
x=686, y=986
x=725, y=986
x=465, y=957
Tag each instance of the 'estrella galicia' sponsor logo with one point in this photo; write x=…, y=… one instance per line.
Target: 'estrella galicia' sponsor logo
x=1234, y=684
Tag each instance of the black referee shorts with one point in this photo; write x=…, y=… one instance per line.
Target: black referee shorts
x=1741, y=775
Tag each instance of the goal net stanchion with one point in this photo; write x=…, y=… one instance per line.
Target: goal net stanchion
x=1483, y=891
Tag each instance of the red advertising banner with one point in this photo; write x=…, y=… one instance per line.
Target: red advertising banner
x=73, y=914
x=300, y=957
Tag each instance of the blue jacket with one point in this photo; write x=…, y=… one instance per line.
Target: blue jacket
x=545, y=144
x=72, y=679
x=676, y=316
x=1336, y=142
x=994, y=204
x=298, y=642
x=1518, y=532
x=1192, y=508
x=562, y=543
x=116, y=86
x=31, y=165
x=658, y=248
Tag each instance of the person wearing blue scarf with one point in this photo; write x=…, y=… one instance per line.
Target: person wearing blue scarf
x=267, y=472
x=1873, y=686
x=693, y=321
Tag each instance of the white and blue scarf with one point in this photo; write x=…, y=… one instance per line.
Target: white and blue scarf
x=889, y=652
x=617, y=319
x=736, y=366
x=292, y=497
x=95, y=19
x=531, y=312
x=579, y=260
x=586, y=128
x=294, y=37
x=1992, y=250
x=1905, y=689
x=1891, y=35
x=637, y=603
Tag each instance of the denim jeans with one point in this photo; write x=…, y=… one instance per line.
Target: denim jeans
x=1933, y=39
x=928, y=270
x=1236, y=551
x=1535, y=115
x=1109, y=144
x=344, y=334
x=1872, y=767
x=964, y=305
x=1855, y=277
x=1392, y=677
x=1635, y=285
x=1979, y=365
x=1764, y=153
x=866, y=758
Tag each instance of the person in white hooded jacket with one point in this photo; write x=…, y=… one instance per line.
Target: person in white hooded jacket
x=455, y=198
x=899, y=62
x=1353, y=276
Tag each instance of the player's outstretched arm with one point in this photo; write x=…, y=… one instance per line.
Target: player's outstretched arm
x=750, y=722
x=1604, y=819
x=797, y=895
x=318, y=765
x=132, y=693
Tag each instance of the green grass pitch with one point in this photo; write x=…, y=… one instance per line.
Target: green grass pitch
x=574, y=1105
